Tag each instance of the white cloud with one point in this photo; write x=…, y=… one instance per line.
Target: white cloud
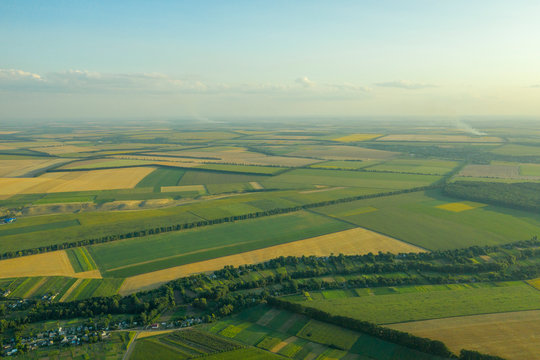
x=12, y=74
x=405, y=84
x=305, y=82
x=82, y=81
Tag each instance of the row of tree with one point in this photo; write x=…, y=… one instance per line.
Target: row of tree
x=524, y=196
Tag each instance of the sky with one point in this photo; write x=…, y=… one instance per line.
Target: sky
x=209, y=59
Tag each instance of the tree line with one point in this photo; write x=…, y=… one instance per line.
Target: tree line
x=525, y=196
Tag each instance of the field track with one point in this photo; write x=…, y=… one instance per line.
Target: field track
x=512, y=335
x=55, y=263
x=348, y=242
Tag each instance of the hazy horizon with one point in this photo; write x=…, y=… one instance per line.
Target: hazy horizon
x=209, y=59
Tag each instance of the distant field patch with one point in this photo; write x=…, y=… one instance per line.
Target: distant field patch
x=455, y=207
x=517, y=150
x=491, y=171
x=440, y=138
x=357, y=137
x=184, y=188
x=416, y=166
x=341, y=152
x=349, y=242
x=529, y=170
x=343, y=164
x=510, y=335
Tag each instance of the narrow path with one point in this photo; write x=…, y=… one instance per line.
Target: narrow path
x=129, y=350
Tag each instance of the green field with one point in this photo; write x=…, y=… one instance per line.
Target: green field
x=328, y=334
x=54, y=285
x=162, y=177
x=13, y=230
x=422, y=303
x=517, y=150
x=140, y=255
x=186, y=344
x=64, y=198
x=80, y=259
x=306, y=339
x=94, y=288
x=420, y=166
x=529, y=169
x=415, y=218
x=355, y=179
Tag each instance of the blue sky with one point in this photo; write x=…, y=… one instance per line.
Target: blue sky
x=260, y=58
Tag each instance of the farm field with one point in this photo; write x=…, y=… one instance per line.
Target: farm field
x=418, y=218
x=297, y=337
x=21, y=166
x=145, y=254
x=357, y=137
x=427, y=166
x=348, y=242
x=417, y=304
x=104, y=163
x=133, y=208
x=75, y=181
x=517, y=150
x=441, y=138
x=356, y=179
x=338, y=152
x=510, y=335
x=55, y=263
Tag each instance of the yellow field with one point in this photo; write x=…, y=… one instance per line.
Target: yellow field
x=109, y=179
x=348, y=242
x=455, y=207
x=513, y=335
x=15, y=168
x=440, y=138
x=255, y=185
x=55, y=263
x=148, y=333
x=535, y=283
x=198, y=188
x=357, y=137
